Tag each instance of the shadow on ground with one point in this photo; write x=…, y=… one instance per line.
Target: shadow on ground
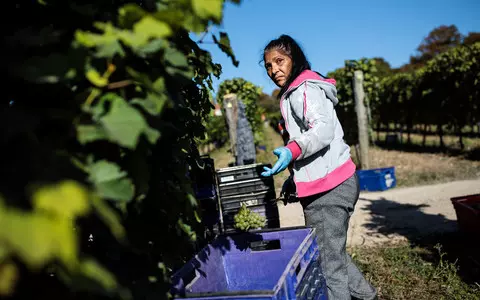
x=408, y=220
x=426, y=231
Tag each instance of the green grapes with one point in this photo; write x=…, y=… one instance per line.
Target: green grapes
x=246, y=219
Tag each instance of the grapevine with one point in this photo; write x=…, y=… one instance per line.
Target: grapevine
x=346, y=107
x=100, y=112
x=249, y=94
x=443, y=92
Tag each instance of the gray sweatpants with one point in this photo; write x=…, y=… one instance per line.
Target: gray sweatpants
x=329, y=213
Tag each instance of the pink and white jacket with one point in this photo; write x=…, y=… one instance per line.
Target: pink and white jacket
x=321, y=158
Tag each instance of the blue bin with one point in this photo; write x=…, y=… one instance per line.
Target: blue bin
x=266, y=264
x=377, y=179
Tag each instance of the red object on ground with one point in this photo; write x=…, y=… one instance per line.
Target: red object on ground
x=467, y=209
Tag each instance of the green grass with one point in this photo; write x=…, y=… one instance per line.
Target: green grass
x=406, y=272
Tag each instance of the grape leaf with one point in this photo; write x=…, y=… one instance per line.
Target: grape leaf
x=123, y=123
x=149, y=27
x=107, y=43
x=208, y=9
x=153, y=104
x=129, y=14
x=90, y=133
x=67, y=199
x=108, y=216
x=110, y=181
x=9, y=275
x=224, y=45
x=91, y=276
x=37, y=238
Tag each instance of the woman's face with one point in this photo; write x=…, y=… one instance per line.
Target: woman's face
x=278, y=66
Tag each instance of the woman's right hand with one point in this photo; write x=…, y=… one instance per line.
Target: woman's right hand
x=284, y=159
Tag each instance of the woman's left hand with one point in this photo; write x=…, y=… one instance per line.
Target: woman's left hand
x=284, y=158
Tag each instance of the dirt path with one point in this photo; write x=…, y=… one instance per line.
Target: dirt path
x=407, y=213
x=397, y=214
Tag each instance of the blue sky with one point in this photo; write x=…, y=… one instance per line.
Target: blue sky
x=332, y=31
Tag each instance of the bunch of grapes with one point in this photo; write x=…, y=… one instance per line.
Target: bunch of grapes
x=246, y=219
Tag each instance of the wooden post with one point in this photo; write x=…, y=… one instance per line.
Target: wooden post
x=231, y=114
x=362, y=120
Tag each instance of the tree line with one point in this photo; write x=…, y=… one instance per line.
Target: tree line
x=444, y=93
x=438, y=88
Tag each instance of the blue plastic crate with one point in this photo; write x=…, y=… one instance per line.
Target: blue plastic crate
x=267, y=264
x=377, y=179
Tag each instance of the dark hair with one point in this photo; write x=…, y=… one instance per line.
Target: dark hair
x=291, y=48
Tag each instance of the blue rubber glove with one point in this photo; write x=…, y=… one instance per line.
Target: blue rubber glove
x=284, y=158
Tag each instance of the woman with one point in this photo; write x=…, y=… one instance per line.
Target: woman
x=322, y=171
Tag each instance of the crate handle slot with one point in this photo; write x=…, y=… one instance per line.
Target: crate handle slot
x=298, y=269
x=306, y=258
x=190, y=278
x=265, y=245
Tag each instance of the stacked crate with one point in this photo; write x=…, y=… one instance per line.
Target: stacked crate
x=204, y=185
x=244, y=185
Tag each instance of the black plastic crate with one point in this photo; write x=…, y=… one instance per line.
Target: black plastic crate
x=240, y=173
x=246, y=187
x=236, y=201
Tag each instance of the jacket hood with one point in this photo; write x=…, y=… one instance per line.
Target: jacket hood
x=328, y=85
